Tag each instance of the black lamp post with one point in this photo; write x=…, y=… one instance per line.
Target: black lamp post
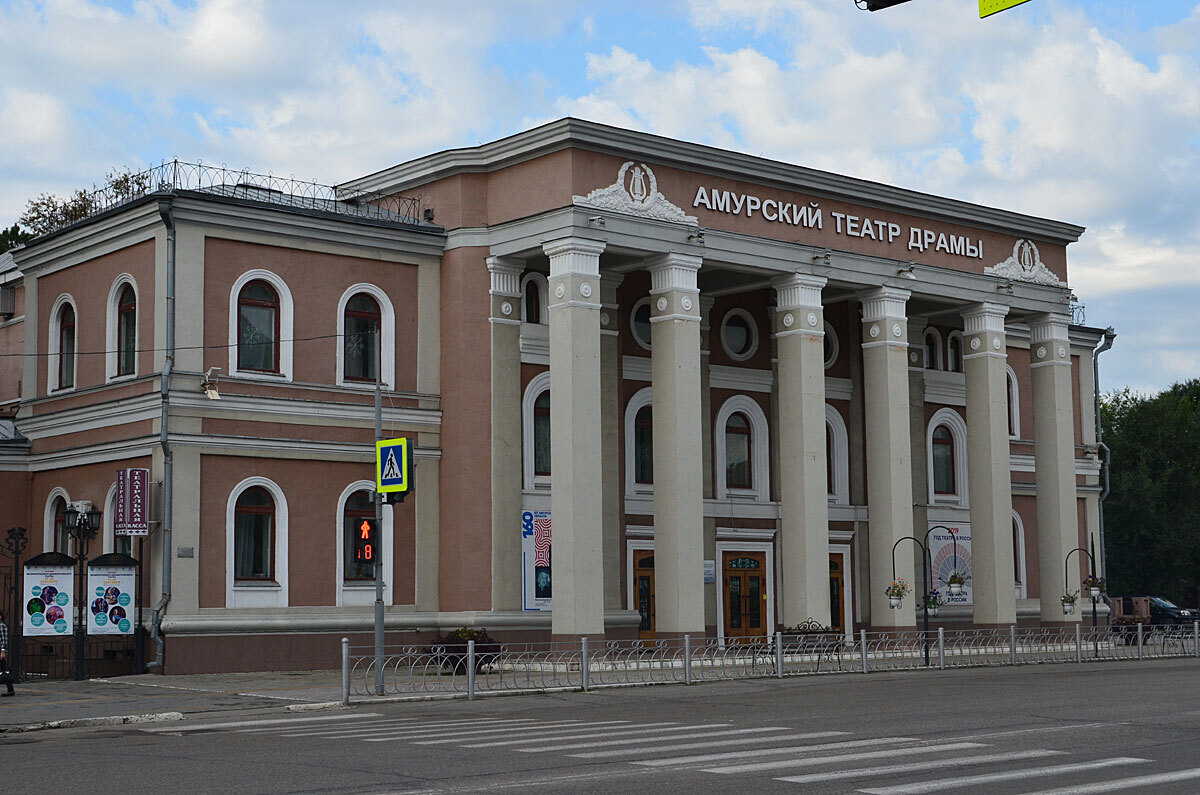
x=15, y=543
x=1092, y=576
x=82, y=527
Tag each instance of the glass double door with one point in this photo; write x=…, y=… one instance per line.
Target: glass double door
x=744, y=595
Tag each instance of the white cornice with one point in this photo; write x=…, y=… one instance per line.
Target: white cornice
x=258, y=408
x=945, y=388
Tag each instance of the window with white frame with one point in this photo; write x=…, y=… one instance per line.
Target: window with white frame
x=534, y=294
x=55, y=535
x=64, y=356
x=946, y=458
x=954, y=352
x=1014, y=405
x=260, y=326
x=739, y=334
x=831, y=345
x=535, y=436
x=639, y=322
x=356, y=580
x=742, y=459
x=256, y=552
x=933, y=349
x=363, y=310
x=121, y=328
x=837, y=444
x=639, y=443
x=1018, y=530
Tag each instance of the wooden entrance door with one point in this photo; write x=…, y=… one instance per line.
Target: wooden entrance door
x=837, y=591
x=643, y=590
x=744, y=595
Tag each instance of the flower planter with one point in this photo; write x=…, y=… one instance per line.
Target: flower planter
x=1094, y=593
x=1068, y=608
x=894, y=601
x=955, y=588
x=933, y=611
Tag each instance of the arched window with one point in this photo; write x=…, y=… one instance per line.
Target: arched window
x=362, y=330
x=258, y=328
x=541, y=435
x=933, y=349
x=943, y=461
x=739, y=472
x=358, y=508
x=254, y=535
x=838, y=456
x=1014, y=406
x=62, y=538
x=828, y=460
x=534, y=291
x=126, y=331
x=66, y=346
x=954, y=352
x=946, y=454
x=643, y=445
x=1018, y=530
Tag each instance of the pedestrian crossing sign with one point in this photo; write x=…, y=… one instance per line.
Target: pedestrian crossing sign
x=393, y=466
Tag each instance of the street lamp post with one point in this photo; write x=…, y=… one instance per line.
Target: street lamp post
x=82, y=527
x=926, y=577
x=15, y=542
x=1067, y=589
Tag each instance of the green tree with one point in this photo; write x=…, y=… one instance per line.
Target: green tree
x=1152, y=515
x=12, y=237
x=48, y=212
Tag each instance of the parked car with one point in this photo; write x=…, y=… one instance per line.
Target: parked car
x=1151, y=610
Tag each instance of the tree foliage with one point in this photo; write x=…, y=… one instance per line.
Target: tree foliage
x=12, y=237
x=48, y=212
x=1152, y=515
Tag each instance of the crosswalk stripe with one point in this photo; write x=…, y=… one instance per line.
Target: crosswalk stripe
x=773, y=752
x=826, y=760
x=959, y=782
x=259, y=722
x=652, y=749
x=551, y=733
x=396, y=725
x=399, y=722
x=692, y=732
x=925, y=766
x=407, y=732
x=378, y=724
x=1124, y=783
x=641, y=728
x=483, y=733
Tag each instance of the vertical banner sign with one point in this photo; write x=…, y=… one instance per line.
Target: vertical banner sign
x=535, y=560
x=950, y=549
x=111, y=610
x=132, y=503
x=46, y=600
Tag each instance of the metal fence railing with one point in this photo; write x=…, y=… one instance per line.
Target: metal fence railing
x=470, y=668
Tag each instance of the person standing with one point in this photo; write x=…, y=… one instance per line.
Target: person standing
x=5, y=675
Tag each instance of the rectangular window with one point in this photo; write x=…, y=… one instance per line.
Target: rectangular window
x=252, y=546
x=943, y=469
x=256, y=338
x=361, y=358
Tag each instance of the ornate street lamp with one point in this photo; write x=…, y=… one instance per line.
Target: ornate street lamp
x=82, y=526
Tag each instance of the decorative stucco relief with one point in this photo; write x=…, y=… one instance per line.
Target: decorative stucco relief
x=635, y=193
x=1025, y=265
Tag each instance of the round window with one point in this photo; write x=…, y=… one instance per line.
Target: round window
x=639, y=321
x=739, y=335
x=831, y=346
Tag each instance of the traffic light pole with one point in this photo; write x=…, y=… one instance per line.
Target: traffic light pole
x=378, y=524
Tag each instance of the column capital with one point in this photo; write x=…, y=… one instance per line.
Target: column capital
x=1049, y=327
x=506, y=275
x=574, y=256
x=673, y=271
x=884, y=302
x=798, y=291
x=609, y=282
x=984, y=317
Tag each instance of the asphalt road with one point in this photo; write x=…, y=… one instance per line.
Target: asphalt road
x=1053, y=728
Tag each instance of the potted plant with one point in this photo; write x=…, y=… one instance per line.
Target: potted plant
x=896, y=591
x=1068, y=602
x=933, y=601
x=1094, y=586
x=450, y=650
x=955, y=582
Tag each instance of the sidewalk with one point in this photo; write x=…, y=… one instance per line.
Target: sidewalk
x=208, y=695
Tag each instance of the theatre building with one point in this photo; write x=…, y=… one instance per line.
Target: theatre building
x=655, y=389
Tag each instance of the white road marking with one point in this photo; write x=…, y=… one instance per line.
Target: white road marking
x=1124, y=783
x=555, y=730
x=962, y=782
x=379, y=724
x=398, y=724
x=443, y=731
x=641, y=728
x=420, y=731
x=1028, y=731
x=921, y=767
x=261, y=722
x=692, y=732
x=454, y=736
x=790, y=749
x=651, y=749
x=759, y=767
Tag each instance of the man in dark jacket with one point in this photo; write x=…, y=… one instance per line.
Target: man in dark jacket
x=5, y=676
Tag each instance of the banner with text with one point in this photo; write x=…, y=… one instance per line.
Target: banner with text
x=111, y=610
x=46, y=596
x=950, y=551
x=132, y=516
x=535, y=560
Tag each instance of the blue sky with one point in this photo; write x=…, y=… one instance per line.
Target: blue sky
x=1081, y=110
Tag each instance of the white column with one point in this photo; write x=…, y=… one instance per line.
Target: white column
x=989, y=471
x=577, y=560
x=803, y=476
x=1054, y=460
x=678, y=455
x=889, y=469
x=505, y=324
x=610, y=418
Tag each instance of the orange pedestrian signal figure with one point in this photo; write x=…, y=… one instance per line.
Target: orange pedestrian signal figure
x=364, y=542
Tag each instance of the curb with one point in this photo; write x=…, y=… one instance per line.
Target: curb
x=111, y=720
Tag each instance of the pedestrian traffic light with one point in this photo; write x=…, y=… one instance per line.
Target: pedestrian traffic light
x=366, y=543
